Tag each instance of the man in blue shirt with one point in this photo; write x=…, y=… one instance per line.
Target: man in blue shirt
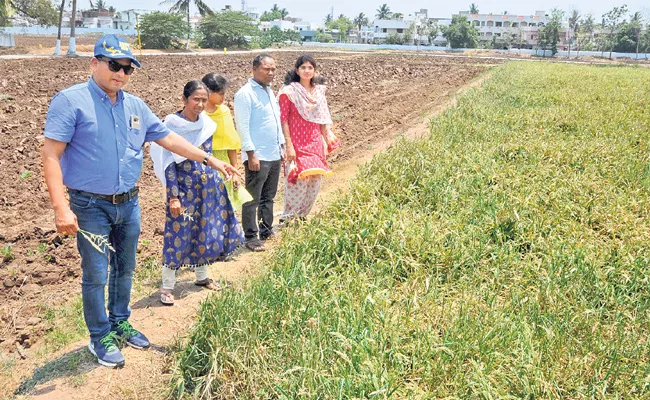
x=257, y=115
x=94, y=135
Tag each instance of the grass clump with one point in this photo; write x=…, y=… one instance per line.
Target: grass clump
x=506, y=255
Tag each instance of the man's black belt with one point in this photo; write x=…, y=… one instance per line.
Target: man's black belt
x=113, y=198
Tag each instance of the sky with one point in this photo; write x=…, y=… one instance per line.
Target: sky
x=315, y=11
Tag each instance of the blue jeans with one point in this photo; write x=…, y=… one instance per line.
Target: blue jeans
x=119, y=223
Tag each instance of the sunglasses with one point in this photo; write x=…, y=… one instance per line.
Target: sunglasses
x=116, y=67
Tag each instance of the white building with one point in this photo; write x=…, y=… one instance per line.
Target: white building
x=281, y=24
x=253, y=13
x=387, y=27
x=510, y=30
x=127, y=19
x=367, y=34
x=97, y=19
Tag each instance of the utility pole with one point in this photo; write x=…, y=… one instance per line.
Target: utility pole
x=243, y=5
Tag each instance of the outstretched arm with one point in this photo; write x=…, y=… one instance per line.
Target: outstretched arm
x=178, y=145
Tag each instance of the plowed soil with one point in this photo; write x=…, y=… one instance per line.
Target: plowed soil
x=371, y=96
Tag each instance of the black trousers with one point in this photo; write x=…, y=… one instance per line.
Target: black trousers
x=263, y=186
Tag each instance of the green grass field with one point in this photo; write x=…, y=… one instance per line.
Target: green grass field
x=505, y=256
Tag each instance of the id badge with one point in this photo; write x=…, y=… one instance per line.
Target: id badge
x=134, y=122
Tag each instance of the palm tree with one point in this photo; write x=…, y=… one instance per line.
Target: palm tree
x=383, y=12
x=100, y=5
x=360, y=20
x=636, y=22
x=397, y=16
x=328, y=19
x=574, y=20
x=183, y=7
x=473, y=9
x=283, y=13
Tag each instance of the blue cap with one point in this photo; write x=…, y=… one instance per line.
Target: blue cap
x=113, y=46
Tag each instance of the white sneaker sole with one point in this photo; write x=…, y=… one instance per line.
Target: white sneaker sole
x=102, y=362
x=137, y=347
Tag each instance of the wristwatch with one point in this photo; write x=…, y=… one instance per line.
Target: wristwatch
x=207, y=157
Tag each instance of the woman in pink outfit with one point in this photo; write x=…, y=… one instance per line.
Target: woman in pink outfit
x=306, y=124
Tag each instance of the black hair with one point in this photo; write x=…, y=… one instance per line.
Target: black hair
x=292, y=75
x=257, y=61
x=214, y=82
x=193, y=86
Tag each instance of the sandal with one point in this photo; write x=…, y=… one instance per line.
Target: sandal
x=255, y=246
x=167, y=298
x=209, y=284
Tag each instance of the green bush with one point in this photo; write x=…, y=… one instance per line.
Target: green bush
x=395, y=38
x=504, y=256
x=323, y=37
x=226, y=29
x=161, y=30
x=275, y=36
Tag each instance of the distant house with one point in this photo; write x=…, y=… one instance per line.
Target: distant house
x=511, y=30
x=386, y=27
x=127, y=19
x=97, y=19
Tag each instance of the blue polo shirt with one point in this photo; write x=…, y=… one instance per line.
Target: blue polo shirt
x=257, y=115
x=104, y=151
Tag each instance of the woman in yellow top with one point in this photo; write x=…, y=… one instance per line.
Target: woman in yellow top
x=225, y=140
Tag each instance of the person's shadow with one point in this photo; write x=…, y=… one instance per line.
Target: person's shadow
x=73, y=363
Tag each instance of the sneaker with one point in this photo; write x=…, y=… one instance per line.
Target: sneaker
x=133, y=338
x=106, y=351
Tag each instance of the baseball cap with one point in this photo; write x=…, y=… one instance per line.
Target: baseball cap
x=113, y=46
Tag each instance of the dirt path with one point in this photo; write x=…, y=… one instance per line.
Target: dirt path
x=73, y=374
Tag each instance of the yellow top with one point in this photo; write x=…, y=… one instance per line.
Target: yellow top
x=225, y=137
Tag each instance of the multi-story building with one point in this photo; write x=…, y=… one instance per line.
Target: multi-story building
x=511, y=30
x=387, y=27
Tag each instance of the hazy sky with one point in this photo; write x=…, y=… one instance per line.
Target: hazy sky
x=315, y=11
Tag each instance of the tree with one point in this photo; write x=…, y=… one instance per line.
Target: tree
x=275, y=35
x=432, y=30
x=460, y=34
x=275, y=13
x=161, y=30
x=383, y=12
x=585, y=33
x=343, y=24
x=183, y=7
x=397, y=16
x=629, y=35
x=612, y=23
x=72, y=41
x=549, y=35
x=41, y=11
x=328, y=19
x=100, y=5
x=226, y=29
x=473, y=9
x=574, y=24
x=360, y=20
x=57, y=49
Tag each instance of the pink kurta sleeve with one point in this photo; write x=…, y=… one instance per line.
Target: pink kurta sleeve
x=285, y=108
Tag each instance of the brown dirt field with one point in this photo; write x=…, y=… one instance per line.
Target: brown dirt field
x=373, y=97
